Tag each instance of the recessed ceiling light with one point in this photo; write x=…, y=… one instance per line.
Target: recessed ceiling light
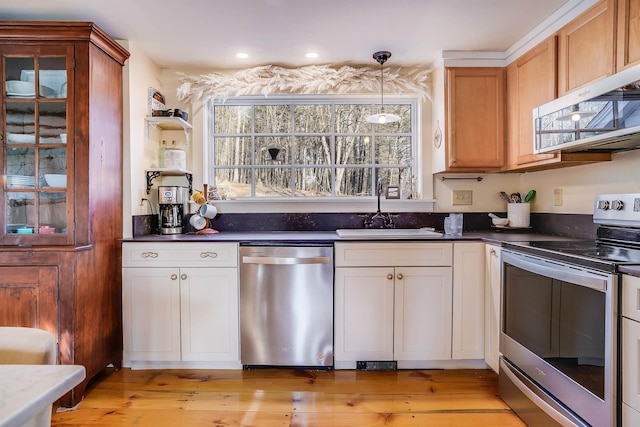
x=242, y=55
x=311, y=55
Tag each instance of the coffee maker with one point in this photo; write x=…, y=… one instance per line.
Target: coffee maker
x=172, y=202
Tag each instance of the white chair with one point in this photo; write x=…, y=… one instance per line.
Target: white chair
x=29, y=346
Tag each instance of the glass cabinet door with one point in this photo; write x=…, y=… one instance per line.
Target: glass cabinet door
x=37, y=207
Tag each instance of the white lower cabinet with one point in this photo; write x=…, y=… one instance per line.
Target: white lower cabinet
x=400, y=311
x=180, y=304
x=492, y=306
x=630, y=351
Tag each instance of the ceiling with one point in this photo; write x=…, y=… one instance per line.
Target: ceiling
x=206, y=34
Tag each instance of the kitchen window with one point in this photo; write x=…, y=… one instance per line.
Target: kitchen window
x=300, y=147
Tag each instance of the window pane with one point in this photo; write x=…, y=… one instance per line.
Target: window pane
x=355, y=150
x=272, y=118
x=232, y=119
x=272, y=150
x=21, y=163
x=313, y=182
x=353, y=181
x=312, y=118
x=52, y=210
x=401, y=126
x=313, y=150
x=273, y=182
x=52, y=122
x=234, y=182
x=53, y=77
x=52, y=161
x=21, y=212
x=352, y=118
x=21, y=122
x=393, y=150
x=231, y=151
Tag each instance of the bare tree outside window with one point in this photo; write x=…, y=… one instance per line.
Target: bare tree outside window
x=308, y=148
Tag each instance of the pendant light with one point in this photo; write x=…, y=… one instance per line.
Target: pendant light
x=382, y=117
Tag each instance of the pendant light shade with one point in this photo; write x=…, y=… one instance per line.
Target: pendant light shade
x=382, y=117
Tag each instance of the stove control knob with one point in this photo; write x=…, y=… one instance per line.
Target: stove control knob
x=617, y=205
x=603, y=204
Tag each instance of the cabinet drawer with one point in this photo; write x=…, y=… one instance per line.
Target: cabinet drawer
x=417, y=254
x=179, y=254
x=631, y=297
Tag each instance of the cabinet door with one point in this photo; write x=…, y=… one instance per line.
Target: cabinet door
x=422, y=316
x=468, y=301
x=37, y=145
x=209, y=313
x=628, y=33
x=531, y=82
x=363, y=314
x=29, y=297
x=586, y=47
x=475, y=118
x=492, y=306
x=151, y=314
x=631, y=363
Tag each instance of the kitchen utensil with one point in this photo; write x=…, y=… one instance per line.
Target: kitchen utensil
x=501, y=222
x=514, y=198
x=504, y=196
x=530, y=195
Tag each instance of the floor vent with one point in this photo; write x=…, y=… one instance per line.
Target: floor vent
x=376, y=366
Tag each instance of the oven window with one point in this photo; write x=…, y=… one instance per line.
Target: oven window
x=561, y=322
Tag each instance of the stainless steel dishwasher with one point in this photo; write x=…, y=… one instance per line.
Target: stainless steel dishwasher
x=286, y=306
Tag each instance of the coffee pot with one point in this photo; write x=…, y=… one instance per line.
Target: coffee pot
x=172, y=203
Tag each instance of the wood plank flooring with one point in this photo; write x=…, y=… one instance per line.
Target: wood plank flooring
x=288, y=397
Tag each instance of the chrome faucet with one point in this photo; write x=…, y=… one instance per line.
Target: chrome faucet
x=387, y=220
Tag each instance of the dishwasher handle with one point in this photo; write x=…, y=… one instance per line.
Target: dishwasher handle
x=271, y=260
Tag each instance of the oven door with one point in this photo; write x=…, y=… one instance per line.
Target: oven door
x=559, y=329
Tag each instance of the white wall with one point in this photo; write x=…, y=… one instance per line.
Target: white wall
x=138, y=153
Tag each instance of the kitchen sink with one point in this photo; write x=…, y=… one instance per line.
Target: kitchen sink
x=388, y=233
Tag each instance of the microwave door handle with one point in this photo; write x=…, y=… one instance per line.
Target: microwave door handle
x=267, y=260
x=556, y=270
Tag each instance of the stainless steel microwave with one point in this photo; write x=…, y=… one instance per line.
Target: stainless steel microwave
x=601, y=117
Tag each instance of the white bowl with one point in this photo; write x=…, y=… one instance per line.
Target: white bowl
x=26, y=89
x=56, y=180
x=500, y=221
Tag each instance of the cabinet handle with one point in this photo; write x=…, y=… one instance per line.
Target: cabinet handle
x=492, y=252
x=390, y=276
x=183, y=276
x=400, y=276
x=208, y=255
x=149, y=255
x=174, y=277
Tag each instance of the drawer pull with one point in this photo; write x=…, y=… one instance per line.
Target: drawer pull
x=149, y=254
x=208, y=255
x=400, y=276
x=389, y=276
x=174, y=277
x=183, y=276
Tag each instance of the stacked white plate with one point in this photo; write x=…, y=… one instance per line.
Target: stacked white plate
x=20, y=181
x=20, y=138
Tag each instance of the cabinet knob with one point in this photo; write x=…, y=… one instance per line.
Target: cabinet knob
x=389, y=276
x=149, y=255
x=400, y=276
x=183, y=276
x=493, y=252
x=453, y=160
x=174, y=277
x=208, y=255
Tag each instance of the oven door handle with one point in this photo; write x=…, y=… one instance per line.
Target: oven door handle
x=557, y=270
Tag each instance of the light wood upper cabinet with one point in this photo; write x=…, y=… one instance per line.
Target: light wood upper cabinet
x=474, y=106
x=628, y=33
x=587, y=47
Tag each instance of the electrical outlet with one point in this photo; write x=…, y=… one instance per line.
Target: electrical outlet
x=462, y=197
x=142, y=196
x=557, y=197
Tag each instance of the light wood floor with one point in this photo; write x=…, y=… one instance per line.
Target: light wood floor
x=283, y=397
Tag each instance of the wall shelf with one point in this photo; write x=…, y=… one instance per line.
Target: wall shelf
x=169, y=123
x=156, y=172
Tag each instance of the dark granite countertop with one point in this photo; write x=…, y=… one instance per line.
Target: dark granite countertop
x=634, y=270
x=330, y=237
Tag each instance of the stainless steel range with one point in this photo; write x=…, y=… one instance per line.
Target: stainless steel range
x=560, y=320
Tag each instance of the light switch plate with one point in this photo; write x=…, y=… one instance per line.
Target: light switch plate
x=462, y=197
x=557, y=197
